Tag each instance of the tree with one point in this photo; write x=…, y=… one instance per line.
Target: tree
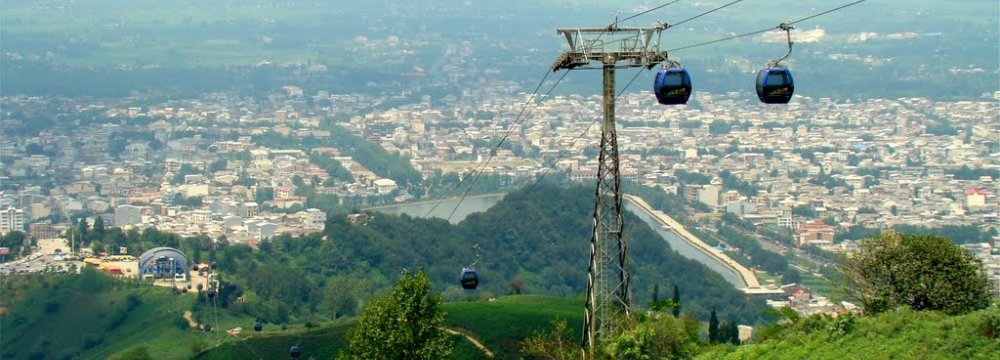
x=84, y=227
x=263, y=194
x=517, y=285
x=656, y=292
x=218, y=165
x=339, y=297
x=405, y=324
x=677, y=301
x=734, y=333
x=791, y=276
x=713, y=328
x=13, y=240
x=719, y=127
x=920, y=271
x=99, y=228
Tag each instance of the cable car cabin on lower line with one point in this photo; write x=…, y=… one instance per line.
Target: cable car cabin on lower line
x=469, y=280
x=672, y=86
x=775, y=85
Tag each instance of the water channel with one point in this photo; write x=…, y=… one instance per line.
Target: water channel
x=687, y=250
x=471, y=205
x=475, y=204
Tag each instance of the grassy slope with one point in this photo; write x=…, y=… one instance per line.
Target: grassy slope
x=79, y=328
x=500, y=325
x=321, y=343
x=88, y=317
x=898, y=335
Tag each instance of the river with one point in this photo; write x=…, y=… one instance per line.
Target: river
x=475, y=204
x=471, y=205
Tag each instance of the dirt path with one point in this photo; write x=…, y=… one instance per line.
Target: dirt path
x=472, y=340
x=189, y=317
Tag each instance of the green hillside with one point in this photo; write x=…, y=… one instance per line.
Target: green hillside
x=321, y=343
x=92, y=316
x=500, y=325
x=503, y=323
x=903, y=334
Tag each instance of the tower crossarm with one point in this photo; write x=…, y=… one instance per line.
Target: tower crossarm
x=622, y=46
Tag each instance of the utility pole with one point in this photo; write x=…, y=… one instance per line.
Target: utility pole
x=608, y=300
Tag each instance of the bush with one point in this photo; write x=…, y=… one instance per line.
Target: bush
x=991, y=325
x=918, y=271
x=841, y=326
x=661, y=336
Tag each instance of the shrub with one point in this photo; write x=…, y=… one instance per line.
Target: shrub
x=918, y=271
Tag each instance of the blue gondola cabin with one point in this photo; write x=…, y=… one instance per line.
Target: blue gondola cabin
x=775, y=85
x=469, y=279
x=672, y=86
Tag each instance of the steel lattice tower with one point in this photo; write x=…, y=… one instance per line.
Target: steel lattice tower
x=608, y=299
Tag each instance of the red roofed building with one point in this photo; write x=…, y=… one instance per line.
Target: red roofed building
x=814, y=233
x=975, y=198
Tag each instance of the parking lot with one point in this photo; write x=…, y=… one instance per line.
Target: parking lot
x=41, y=262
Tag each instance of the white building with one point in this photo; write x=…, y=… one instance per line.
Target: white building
x=11, y=219
x=709, y=195
x=316, y=216
x=385, y=186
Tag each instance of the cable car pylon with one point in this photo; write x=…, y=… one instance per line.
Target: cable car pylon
x=608, y=300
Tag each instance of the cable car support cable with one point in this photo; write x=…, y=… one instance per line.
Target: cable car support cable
x=766, y=29
x=493, y=153
x=703, y=14
x=496, y=148
x=649, y=11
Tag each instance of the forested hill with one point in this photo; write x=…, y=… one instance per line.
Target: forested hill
x=534, y=241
